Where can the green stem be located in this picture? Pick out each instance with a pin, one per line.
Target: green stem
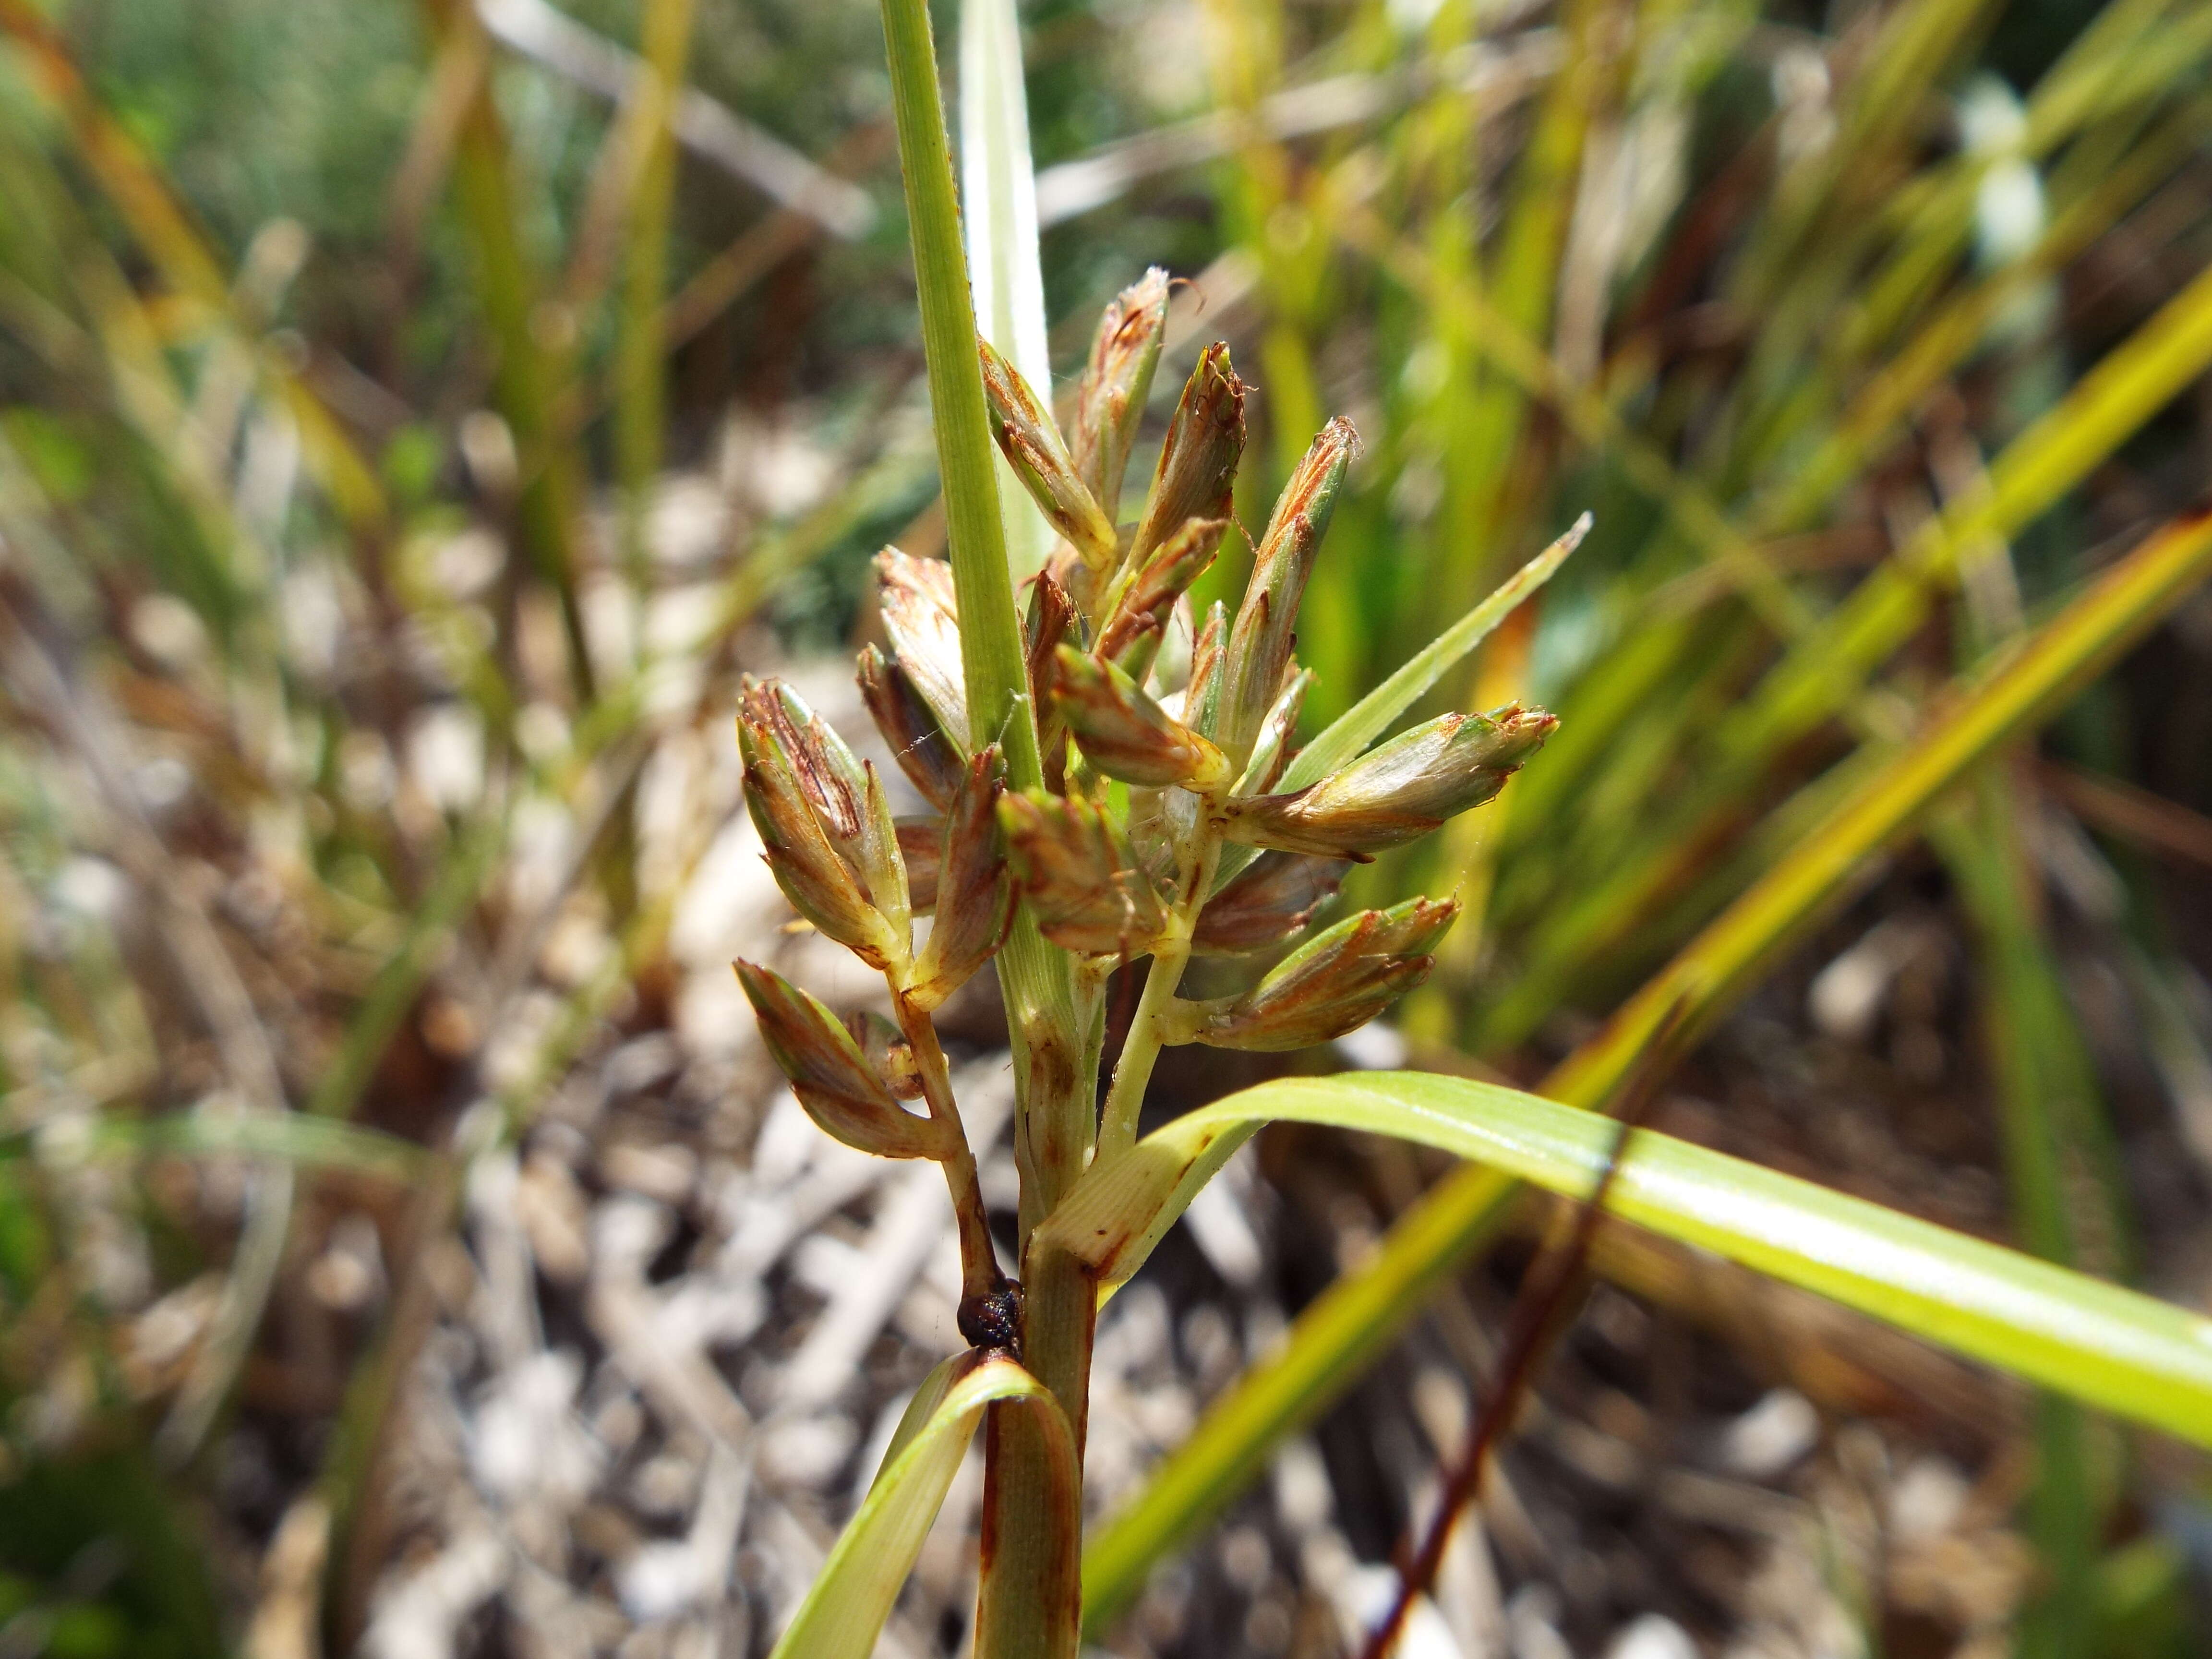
(1117, 1130)
(1148, 1031)
(1026, 1605)
(979, 1263)
(1055, 1131)
(990, 632)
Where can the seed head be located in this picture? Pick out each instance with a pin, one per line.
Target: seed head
(1197, 473)
(1259, 645)
(1033, 446)
(823, 842)
(923, 620)
(1109, 401)
(1137, 609)
(920, 744)
(1335, 982)
(1125, 734)
(1080, 875)
(832, 1077)
(828, 772)
(975, 894)
(1398, 792)
(844, 791)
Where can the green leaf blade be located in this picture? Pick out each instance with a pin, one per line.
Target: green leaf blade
(998, 183)
(1373, 714)
(845, 1610)
(2110, 1347)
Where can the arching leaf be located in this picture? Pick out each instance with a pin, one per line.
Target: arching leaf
(2112, 1347)
(845, 1610)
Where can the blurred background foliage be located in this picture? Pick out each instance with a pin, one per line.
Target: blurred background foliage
(392, 449)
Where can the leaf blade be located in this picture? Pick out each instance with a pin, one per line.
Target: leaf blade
(845, 1609)
(1371, 716)
(998, 183)
(2112, 1347)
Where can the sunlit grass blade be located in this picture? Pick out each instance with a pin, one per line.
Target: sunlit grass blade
(1333, 1340)
(2111, 402)
(1947, 333)
(1825, 670)
(2144, 1359)
(640, 345)
(2067, 652)
(999, 200)
(1456, 298)
(845, 1610)
(1522, 274)
(2096, 1342)
(2050, 1116)
(307, 1143)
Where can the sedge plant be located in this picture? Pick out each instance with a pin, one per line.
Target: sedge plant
(1103, 762)
(1166, 815)
(1115, 779)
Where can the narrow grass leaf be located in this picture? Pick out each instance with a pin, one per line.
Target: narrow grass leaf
(2112, 1347)
(290, 1137)
(999, 193)
(1373, 714)
(2048, 1114)
(2105, 408)
(844, 1610)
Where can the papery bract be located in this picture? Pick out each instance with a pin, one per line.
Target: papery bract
(1109, 401)
(1399, 791)
(974, 894)
(1125, 734)
(1080, 875)
(842, 1092)
(924, 750)
(1335, 982)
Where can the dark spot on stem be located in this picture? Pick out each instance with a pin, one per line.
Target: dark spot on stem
(993, 1320)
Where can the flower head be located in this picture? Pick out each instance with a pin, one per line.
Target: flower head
(1398, 792)
(1334, 983)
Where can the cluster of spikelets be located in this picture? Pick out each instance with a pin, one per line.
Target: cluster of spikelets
(1160, 829)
